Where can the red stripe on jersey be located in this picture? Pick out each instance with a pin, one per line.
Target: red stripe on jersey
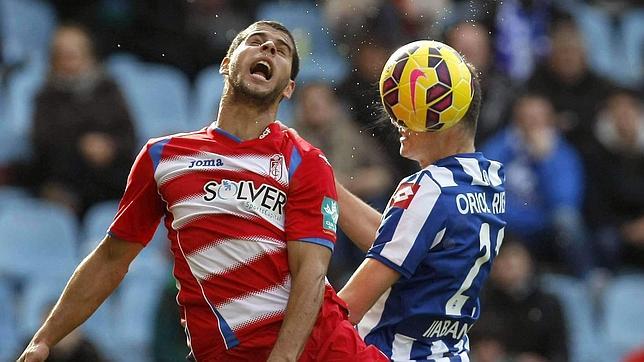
(178, 168)
(255, 276)
(199, 234)
(201, 322)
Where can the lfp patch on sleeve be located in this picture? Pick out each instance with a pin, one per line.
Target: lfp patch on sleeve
(330, 214)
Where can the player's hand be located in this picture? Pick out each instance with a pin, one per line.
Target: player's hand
(35, 352)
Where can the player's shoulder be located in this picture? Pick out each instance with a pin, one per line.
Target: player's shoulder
(297, 141)
(176, 136)
(303, 147)
(302, 155)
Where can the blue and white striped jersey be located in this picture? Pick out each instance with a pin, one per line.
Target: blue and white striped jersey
(441, 231)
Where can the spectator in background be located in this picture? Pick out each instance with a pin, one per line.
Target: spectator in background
(357, 162)
(393, 22)
(169, 341)
(543, 207)
(360, 91)
(569, 84)
(521, 323)
(83, 137)
(473, 40)
(214, 24)
(521, 35)
(615, 203)
(356, 159)
(615, 28)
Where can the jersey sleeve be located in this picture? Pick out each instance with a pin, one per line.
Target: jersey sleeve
(141, 206)
(312, 208)
(412, 224)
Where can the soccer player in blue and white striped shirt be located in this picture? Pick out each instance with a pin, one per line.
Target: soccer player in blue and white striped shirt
(416, 294)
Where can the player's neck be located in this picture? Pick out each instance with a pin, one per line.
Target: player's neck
(445, 145)
(244, 120)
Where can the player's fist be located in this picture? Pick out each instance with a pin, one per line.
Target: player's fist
(35, 352)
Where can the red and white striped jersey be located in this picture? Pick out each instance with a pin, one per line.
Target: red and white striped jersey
(229, 207)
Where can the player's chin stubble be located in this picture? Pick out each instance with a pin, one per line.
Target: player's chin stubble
(243, 91)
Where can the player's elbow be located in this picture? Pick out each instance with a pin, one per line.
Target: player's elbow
(353, 304)
(355, 318)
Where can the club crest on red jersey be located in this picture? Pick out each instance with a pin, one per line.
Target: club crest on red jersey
(275, 168)
(403, 195)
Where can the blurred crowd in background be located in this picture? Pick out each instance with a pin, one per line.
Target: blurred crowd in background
(84, 83)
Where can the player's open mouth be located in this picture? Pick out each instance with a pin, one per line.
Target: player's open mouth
(263, 69)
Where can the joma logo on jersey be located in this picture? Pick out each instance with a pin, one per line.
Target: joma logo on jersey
(263, 197)
(218, 162)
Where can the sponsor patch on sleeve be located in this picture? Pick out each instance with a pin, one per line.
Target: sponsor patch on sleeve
(329, 214)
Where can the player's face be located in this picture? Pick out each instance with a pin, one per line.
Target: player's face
(410, 143)
(260, 68)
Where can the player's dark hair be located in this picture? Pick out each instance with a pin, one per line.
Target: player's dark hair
(295, 63)
(470, 119)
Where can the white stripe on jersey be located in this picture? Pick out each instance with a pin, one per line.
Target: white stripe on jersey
(242, 312)
(438, 348)
(174, 166)
(203, 293)
(438, 238)
(411, 221)
(442, 175)
(472, 168)
(372, 317)
(401, 348)
(188, 209)
(463, 357)
(229, 254)
(493, 172)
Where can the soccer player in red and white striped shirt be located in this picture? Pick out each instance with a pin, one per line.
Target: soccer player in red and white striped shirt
(251, 214)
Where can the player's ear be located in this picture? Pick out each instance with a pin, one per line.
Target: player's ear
(288, 90)
(223, 67)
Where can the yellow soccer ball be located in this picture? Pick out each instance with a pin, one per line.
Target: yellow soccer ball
(426, 86)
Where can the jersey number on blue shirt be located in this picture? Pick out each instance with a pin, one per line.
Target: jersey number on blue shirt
(456, 302)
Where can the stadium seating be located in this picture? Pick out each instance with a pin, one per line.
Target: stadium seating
(578, 309)
(38, 238)
(27, 26)
(156, 94)
(121, 65)
(10, 194)
(36, 299)
(123, 325)
(623, 318)
(206, 95)
(608, 38)
(319, 59)
(8, 337)
(22, 87)
(37, 254)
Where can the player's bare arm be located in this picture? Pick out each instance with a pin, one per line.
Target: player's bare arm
(357, 219)
(92, 282)
(366, 285)
(308, 265)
